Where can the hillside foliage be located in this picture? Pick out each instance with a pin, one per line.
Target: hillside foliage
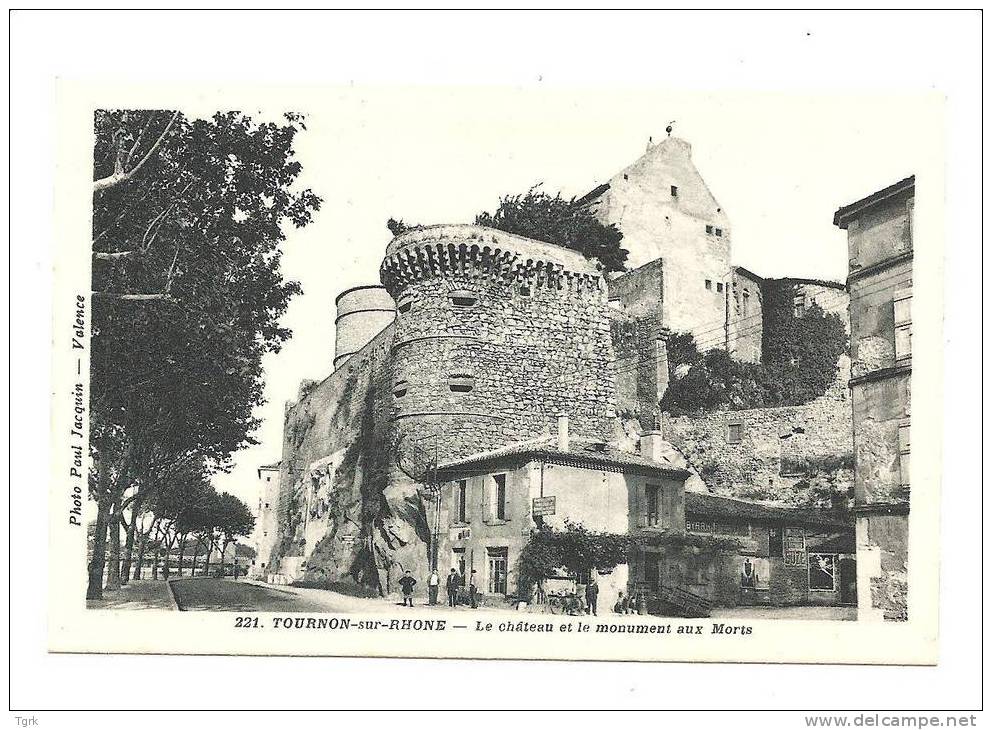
(799, 363)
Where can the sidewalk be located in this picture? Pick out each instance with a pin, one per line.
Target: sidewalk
(342, 603)
(137, 595)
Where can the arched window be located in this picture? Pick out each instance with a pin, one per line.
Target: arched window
(400, 389)
(404, 304)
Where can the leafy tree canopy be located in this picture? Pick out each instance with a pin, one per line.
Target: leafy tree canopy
(537, 215)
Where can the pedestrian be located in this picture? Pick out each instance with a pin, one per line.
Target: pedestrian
(592, 597)
(473, 592)
(407, 582)
(451, 588)
(433, 586)
(620, 605)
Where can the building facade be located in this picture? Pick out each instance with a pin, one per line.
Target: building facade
(880, 248)
(266, 519)
(491, 504)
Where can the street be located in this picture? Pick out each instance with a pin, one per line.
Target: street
(219, 594)
(224, 594)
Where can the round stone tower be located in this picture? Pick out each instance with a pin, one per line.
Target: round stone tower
(362, 313)
(496, 336)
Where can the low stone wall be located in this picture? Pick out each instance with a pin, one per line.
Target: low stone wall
(765, 453)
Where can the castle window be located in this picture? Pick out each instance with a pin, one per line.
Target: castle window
(709, 230)
(400, 389)
(463, 298)
(461, 382)
(904, 452)
(499, 496)
(461, 501)
(719, 286)
(709, 285)
(734, 432)
(652, 494)
(525, 291)
(404, 304)
(747, 297)
(675, 191)
(903, 319)
(718, 232)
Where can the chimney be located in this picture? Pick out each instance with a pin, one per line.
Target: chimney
(652, 444)
(563, 433)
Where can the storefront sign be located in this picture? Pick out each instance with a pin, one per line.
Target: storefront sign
(794, 547)
(543, 506)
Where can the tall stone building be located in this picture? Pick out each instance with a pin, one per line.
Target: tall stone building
(267, 518)
(677, 234)
(880, 246)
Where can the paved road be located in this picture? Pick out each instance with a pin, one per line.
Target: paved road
(218, 594)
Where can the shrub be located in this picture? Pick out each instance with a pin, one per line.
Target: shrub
(537, 215)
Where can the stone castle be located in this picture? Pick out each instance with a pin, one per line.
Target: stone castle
(476, 339)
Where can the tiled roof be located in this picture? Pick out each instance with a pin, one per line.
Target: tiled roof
(728, 508)
(876, 197)
(580, 451)
(842, 544)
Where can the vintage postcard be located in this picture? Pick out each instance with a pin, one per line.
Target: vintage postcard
(497, 373)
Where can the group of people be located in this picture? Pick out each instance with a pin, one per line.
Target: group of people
(626, 603)
(453, 586)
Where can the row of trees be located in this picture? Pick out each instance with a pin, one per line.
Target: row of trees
(188, 220)
(191, 520)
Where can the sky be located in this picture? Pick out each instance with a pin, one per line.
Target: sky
(780, 165)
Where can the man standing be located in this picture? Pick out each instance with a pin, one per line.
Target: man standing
(592, 596)
(473, 592)
(407, 582)
(433, 585)
(451, 587)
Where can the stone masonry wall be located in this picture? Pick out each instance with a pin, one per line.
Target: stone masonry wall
(779, 448)
(495, 339)
(344, 514)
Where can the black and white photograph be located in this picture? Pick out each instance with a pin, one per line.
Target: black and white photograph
(412, 367)
(569, 404)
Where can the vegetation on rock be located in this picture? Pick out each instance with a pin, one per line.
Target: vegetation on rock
(538, 215)
(799, 362)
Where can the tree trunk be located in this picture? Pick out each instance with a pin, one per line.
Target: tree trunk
(182, 553)
(114, 557)
(94, 588)
(142, 542)
(206, 566)
(132, 529)
(196, 554)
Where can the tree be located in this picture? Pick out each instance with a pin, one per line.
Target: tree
(396, 227)
(535, 214)
(577, 550)
(234, 520)
(188, 220)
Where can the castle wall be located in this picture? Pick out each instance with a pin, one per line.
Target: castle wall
(344, 514)
(362, 313)
(681, 228)
(746, 318)
(778, 448)
(495, 339)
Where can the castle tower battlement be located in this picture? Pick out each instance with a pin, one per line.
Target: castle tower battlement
(496, 336)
